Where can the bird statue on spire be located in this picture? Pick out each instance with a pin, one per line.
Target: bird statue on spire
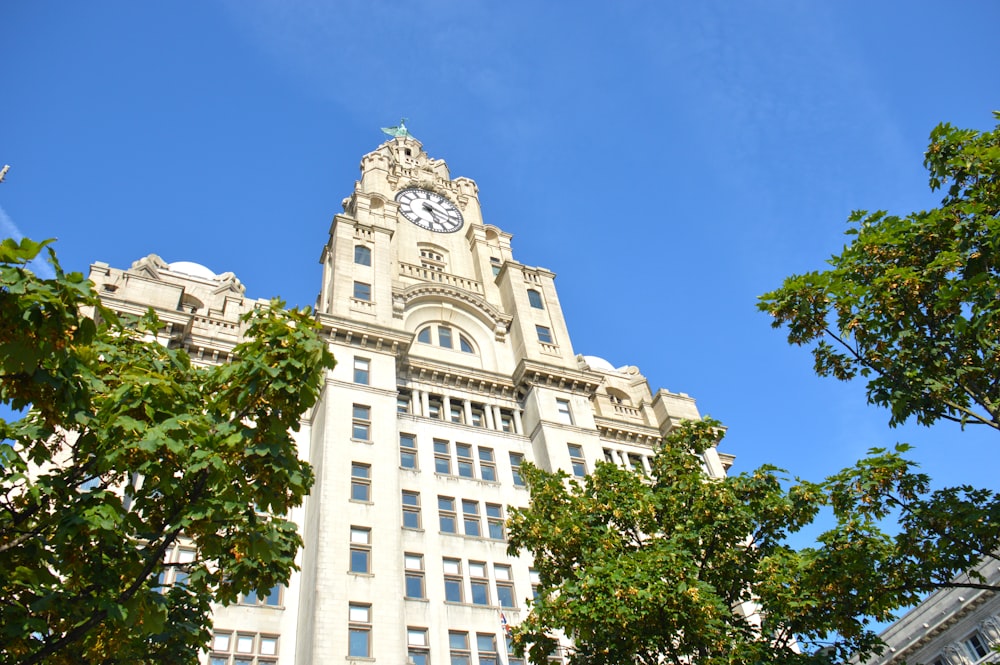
(398, 131)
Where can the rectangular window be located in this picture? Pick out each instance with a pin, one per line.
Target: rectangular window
(635, 460)
(456, 414)
(414, 564)
(268, 646)
(361, 482)
(486, 645)
(403, 402)
(487, 465)
(506, 421)
(516, 459)
(361, 426)
(477, 417)
(563, 413)
(465, 464)
(505, 586)
(470, 515)
(444, 336)
(452, 580)
(976, 646)
(576, 459)
(271, 598)
(361, 370)
(535, 580)
(609, 456)
(544, 334)
(458, 647)
(407, 451)
(479, 583)
(494, 521)
(362, 255)
(446, 514)
(434, 407)
(245, 643)
(361, 550)
(411, 510)
(442, 457)
(359, 641)
(417, 645)
(362, 291)
(220, 641)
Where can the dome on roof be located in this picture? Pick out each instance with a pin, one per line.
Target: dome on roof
(193, 269)
(599, 363)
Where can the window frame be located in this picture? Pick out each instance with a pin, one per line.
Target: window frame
(355, 626)
(515, 469)
(576, 459)
(362, 371)
(411, 509)
(362, 291)
(361, 483)
(408, 453)
(454, 582)
(411, 574)
(535, 299)
(544, 334)
(360, 546)
(445, 513)
(471, 518)
(361, 423)
(362, 255)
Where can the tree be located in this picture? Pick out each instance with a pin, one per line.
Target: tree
(664, 569)
(679, 568)
(124, 448)
(913, 303)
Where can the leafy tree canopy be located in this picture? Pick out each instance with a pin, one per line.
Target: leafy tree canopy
(679, 568)
(913, 303)
(124, 449)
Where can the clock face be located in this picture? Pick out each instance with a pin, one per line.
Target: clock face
(429, 210)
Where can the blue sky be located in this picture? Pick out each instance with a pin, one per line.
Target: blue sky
(669, 161)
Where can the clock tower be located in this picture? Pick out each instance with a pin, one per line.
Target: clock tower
(454, 367)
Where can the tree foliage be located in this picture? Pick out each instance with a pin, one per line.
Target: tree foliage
(124, 448)
(679, 568)
(913, 303)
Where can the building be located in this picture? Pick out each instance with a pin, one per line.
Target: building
(952, 626)
(454, 367)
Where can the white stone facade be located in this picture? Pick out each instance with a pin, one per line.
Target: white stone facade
(955, 626)
(454, 366)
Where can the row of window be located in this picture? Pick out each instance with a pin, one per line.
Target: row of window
(460, 642)
(457, 411)
(633, 461)
(239, 648)
(465, 462)
(445, 337)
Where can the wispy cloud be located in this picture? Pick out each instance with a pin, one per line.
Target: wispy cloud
(8, 229)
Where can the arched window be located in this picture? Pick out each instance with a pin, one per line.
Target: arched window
(535, 299)
(362, 255)
(445, 337)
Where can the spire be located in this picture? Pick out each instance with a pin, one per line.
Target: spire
(398, 131)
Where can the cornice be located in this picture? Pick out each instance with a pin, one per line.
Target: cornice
(617, 430)
(532, 373)
(455, 376)
(363, 335)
